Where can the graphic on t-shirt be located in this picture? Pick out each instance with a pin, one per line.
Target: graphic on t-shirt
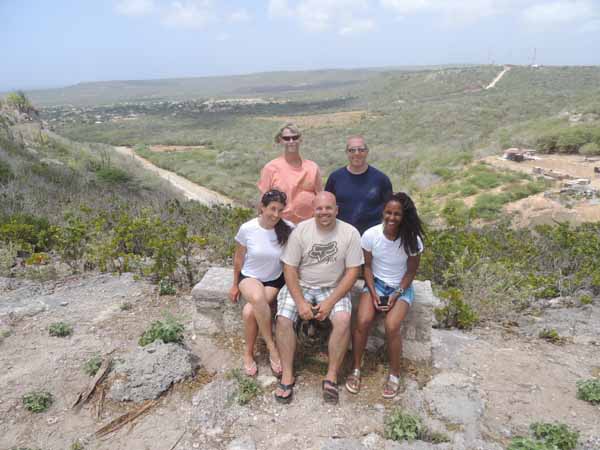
(324, 252)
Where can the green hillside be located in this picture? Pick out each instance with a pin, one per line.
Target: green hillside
(416, 121)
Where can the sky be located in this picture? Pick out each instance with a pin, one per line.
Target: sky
(51, 43)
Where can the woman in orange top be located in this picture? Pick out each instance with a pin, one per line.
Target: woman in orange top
(299, 178)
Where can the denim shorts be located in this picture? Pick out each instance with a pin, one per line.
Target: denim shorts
(382, 288)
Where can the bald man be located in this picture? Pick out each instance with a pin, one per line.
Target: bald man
(321, 262)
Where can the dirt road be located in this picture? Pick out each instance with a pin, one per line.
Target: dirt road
(190, 190)
(498, 78)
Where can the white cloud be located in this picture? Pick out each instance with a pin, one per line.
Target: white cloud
(561, 12)
(279, 8)
(452, 11)
(357, 26)
(135, 7)
(191, 14)
(239, 15)
(344, 16)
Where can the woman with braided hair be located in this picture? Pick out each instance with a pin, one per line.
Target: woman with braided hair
(392, 252)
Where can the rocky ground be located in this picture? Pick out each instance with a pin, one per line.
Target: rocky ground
(485, 386)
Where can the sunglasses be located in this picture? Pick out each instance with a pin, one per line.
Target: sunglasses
(290, 138)
(357, 150)
(275, 195)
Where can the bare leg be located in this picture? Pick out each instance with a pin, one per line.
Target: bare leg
(338, 344)
(393, 322)
(250, 333)
(366, 314)
(286, 341)
(260, 297)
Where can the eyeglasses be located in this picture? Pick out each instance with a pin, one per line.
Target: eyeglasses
(357, 149)
(290, 138)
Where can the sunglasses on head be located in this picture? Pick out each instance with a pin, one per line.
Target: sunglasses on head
(274, 195)
(290, 138)
(357, 150)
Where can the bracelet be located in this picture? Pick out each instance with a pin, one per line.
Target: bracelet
(399, 291)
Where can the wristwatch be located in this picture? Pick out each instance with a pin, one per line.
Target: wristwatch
(399, 291)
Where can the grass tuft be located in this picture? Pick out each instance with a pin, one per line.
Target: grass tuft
(37, 401)
(167, 331)
(60, 329)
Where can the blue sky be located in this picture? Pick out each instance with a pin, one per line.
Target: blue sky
(56, 43)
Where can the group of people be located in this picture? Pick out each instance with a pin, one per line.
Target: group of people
(304, 252)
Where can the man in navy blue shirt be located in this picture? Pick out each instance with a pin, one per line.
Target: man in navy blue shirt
(360, 189)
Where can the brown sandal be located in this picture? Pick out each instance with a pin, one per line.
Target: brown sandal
(331, 393)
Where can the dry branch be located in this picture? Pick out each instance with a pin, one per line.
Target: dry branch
(85, 395)
(126, 418)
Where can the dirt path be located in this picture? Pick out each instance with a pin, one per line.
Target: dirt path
(498, 78)
(190, 190)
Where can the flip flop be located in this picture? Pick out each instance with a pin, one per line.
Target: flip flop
(285, 400)
(353, 382)
(276, 368)
(331, 393)
(251, 370)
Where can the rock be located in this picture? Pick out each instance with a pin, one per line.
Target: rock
(211, 406)
(266, 380)
(452, 397)
(148, 371)
(242, 443)
(343, 444)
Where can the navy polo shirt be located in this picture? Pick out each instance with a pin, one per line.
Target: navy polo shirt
(360, 198)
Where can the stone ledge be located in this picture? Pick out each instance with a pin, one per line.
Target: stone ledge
(212, 291)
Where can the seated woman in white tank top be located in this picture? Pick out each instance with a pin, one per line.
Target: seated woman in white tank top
(258, 275)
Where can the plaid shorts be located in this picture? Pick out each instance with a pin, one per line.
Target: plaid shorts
(286, 306)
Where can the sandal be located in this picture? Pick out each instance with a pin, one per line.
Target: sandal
(391, 386)
(251, 370)
(353, 382)
(331, 392)
(285, 388)
(276, 368)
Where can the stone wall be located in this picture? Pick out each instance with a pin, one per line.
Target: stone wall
(210, 295)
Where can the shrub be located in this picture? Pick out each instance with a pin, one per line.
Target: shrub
(166, 287)
(19, 101)
(92, 365)
(525, 443)
(37, 401)
(27, 231)
(6, 173)
(126, 306)
(60, 329)
(550, 335)
(488, 206)
(589, 390)
(113, 175)
(167, 331)
(77, 445)
(590, 149)
(555, 435)
(456, 314)
(247, 389)
(400, 426)
(585, 299)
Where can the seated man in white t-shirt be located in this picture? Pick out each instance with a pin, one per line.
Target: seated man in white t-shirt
(321, 262)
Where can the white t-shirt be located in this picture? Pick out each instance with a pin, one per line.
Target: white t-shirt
(389, 261)
(263, 252)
